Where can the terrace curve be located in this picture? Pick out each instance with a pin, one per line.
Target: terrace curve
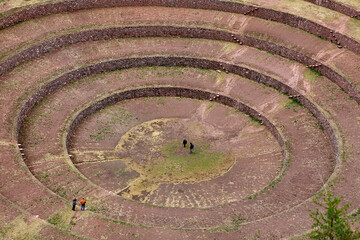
(268, 14)
(339, 7)
(49, 180)
(164, 61)
(184, 62)
(168, 31)
(182, 93)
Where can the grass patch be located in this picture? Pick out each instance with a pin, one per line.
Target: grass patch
(311, 74)
(293, 104)
(168, 161)
(19, 229)
(253, 119)
(160, 101)
(354, 3)
(179, 164)
(210, 106)
(61, 192)
(318, 124)
(354, 26)
(62, 219)
(237, 219)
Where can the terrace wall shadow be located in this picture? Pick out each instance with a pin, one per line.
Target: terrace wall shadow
(233, 7)
(170, 31)
(181, 62)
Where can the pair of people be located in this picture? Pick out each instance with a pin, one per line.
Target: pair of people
(191, 145)
(82, 202)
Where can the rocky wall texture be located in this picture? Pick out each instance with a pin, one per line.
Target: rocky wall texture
(176, 92)
(169, 31)
(338, 7)
(264, 13)
(180, 62)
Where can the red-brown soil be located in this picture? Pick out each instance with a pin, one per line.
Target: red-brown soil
(257, 159)
(236, 85)
(256, 193)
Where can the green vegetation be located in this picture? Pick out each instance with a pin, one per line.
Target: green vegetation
(293, 104)
(334, 223)
(169, 161)
(62, 219)
(311, 74)
(61, 192)
(318, 124)
(179, 164)
(253, 119)
(237, 219)
(160, 101)
(44, 175)
(210, 106)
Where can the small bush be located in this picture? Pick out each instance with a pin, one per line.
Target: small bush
(335, 223)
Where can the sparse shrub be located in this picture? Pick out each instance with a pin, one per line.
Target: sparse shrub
(335, 223)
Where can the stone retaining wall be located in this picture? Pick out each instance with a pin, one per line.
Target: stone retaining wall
(181, 62)
(338, 7)
(264, 13)
(176, 92)
(169, 31)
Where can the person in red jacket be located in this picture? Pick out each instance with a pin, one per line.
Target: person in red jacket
(82, 202)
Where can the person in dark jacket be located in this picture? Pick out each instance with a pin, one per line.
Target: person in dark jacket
(185, 142)
(74, 204)
(191, 147)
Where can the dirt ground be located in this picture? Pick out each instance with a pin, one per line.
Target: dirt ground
(128, 159)
(241, 146)
(95, 143)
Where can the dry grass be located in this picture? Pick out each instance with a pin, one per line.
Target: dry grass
(21, 229)
(62, 218)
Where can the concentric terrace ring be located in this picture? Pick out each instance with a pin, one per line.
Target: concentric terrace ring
(171, 61)
(268, 14)
(168, 31)
(304, 92)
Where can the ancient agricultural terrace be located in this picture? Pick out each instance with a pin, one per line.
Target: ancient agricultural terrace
(96, 97)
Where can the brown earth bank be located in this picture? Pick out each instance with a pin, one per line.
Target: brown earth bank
(249, 28)
(147, 190)
(264, 99)
(265, 13)
(205, 124)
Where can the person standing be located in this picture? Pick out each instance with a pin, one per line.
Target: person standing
(74, 204)
(82, 202)
(185, 142)
(191, 147)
